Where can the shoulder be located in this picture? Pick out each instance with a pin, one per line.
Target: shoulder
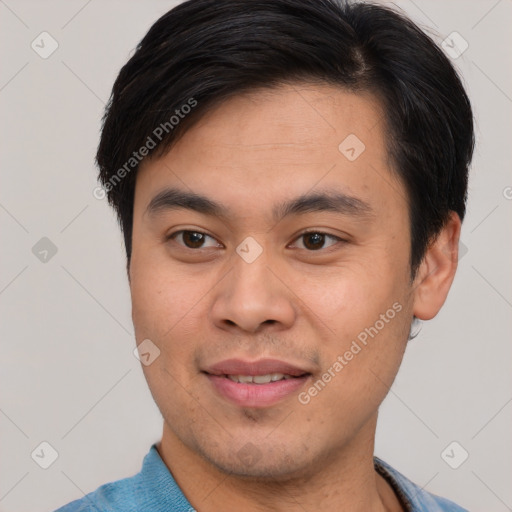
(414, 498)
(153, 488)
(114, 496)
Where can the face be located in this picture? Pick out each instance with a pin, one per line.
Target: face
(280, 303)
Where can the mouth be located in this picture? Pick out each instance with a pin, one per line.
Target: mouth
(259, 379)
(256, 384)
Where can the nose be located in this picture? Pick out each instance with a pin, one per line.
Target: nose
(253, 295)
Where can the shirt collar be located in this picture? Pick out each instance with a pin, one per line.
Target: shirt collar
(163, 493)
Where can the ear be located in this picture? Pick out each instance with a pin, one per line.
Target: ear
(437, 270)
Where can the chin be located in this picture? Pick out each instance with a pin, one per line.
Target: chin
(256, 462)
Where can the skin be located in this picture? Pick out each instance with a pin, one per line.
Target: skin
(294, 303)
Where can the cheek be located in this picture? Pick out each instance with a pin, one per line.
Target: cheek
(350, 297)
(359, 366)
(165, 310)
(365, 317)
(168, 308)
(163, 298)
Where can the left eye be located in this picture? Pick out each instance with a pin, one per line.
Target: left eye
(315, 240)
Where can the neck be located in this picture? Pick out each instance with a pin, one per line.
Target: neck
(344, 481)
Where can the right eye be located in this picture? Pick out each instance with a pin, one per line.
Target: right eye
(191, 239)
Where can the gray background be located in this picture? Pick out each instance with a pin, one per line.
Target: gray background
(68, 374)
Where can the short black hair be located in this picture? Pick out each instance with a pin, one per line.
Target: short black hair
(203, 52)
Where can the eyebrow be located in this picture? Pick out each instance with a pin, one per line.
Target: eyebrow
(319, 201)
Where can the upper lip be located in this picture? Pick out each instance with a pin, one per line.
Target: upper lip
(253, 368)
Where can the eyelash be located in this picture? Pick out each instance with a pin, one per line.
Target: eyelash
(172, 236)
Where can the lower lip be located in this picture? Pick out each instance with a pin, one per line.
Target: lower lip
(256, 395)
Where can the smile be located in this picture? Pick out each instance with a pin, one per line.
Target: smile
(258, 384)
(259, 379)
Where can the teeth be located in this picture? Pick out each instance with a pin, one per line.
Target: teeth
(263, 379)
(259, 379)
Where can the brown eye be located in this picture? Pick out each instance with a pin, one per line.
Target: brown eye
(192, 239)
(315, 240)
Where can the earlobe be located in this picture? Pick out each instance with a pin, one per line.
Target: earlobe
(437, 270)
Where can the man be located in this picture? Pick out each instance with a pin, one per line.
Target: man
(290, 177)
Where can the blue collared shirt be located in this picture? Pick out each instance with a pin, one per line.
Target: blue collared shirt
(154, 490)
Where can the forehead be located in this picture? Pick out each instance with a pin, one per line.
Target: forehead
(281, 141)
(303, 119)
